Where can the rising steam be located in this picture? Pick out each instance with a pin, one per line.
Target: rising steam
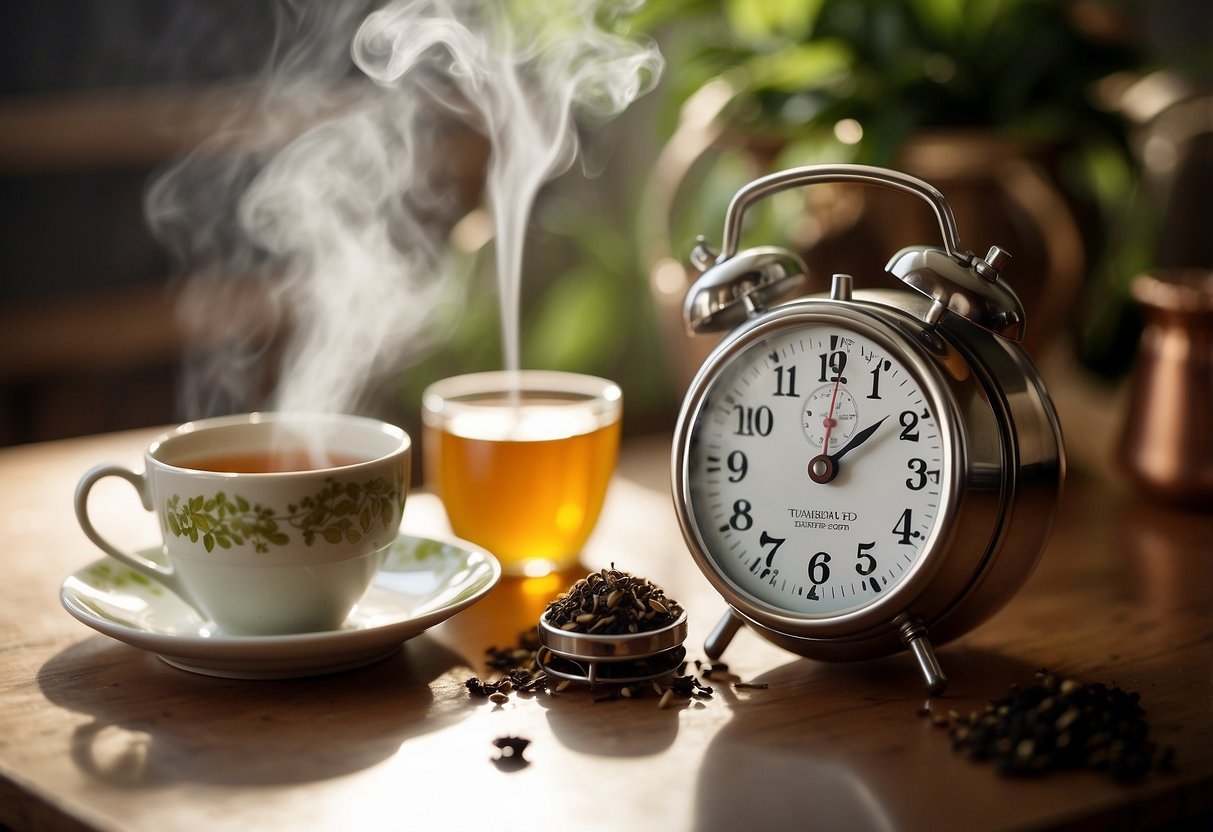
(337, 227)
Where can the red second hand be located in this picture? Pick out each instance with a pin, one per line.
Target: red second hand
(829, 420)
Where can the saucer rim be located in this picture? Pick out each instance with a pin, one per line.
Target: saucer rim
(342, 646)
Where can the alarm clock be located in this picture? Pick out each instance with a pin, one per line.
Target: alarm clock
(867, 471)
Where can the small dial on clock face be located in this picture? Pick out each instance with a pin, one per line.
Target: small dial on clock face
(829, 416)
(816, 470)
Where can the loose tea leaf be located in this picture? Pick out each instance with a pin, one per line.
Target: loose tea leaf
(518, 656)
(688, 686)
(1060, 723)
(478, 688)
(520, 671)
(610, 602)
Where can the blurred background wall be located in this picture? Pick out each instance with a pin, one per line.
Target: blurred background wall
(1076, 134)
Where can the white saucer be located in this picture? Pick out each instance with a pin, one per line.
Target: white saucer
(422, 583)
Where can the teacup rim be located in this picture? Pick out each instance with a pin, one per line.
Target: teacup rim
(403, 446)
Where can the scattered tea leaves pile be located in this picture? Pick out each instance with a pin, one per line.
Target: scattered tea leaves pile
(610, 602)
(676, 689)
(518, 668)
(520, 673)
(1060, 723)
(607, 602)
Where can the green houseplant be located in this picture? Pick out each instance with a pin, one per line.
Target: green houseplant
(1026, 68)
(951, 90)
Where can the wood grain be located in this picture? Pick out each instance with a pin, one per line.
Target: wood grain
(96, 734)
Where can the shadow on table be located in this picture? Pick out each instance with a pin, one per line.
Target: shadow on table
(153, 724)
(839, 746)
(605, 728)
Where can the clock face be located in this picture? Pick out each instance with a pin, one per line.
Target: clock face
(817, 472)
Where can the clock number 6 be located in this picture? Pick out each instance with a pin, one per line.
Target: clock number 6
(819, 568)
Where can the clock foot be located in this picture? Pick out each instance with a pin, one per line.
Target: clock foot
(914, 636)
(722, 634)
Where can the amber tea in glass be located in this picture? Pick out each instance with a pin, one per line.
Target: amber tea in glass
(521, 461)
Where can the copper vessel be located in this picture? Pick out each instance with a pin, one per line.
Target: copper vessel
(1166, 443)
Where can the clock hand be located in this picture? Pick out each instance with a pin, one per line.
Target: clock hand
(824, 467)
(830, 422)
(857, 440)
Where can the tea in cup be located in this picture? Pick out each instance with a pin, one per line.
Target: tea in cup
(273, 523)
(521, 461)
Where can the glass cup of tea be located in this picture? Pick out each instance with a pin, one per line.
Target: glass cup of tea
(521, 461)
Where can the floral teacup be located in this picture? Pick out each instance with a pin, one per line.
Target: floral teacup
(272, 523)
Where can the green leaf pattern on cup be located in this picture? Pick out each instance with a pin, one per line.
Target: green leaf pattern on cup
(338, 512)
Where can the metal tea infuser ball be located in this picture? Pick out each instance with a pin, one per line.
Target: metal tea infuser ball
(862, 472)
(624, 658)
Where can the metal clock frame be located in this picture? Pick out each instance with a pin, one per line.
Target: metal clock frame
(1003, 440)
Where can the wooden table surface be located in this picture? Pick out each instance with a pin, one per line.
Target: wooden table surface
(97, 734)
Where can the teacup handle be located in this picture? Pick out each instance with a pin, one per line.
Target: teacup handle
(155, 571)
